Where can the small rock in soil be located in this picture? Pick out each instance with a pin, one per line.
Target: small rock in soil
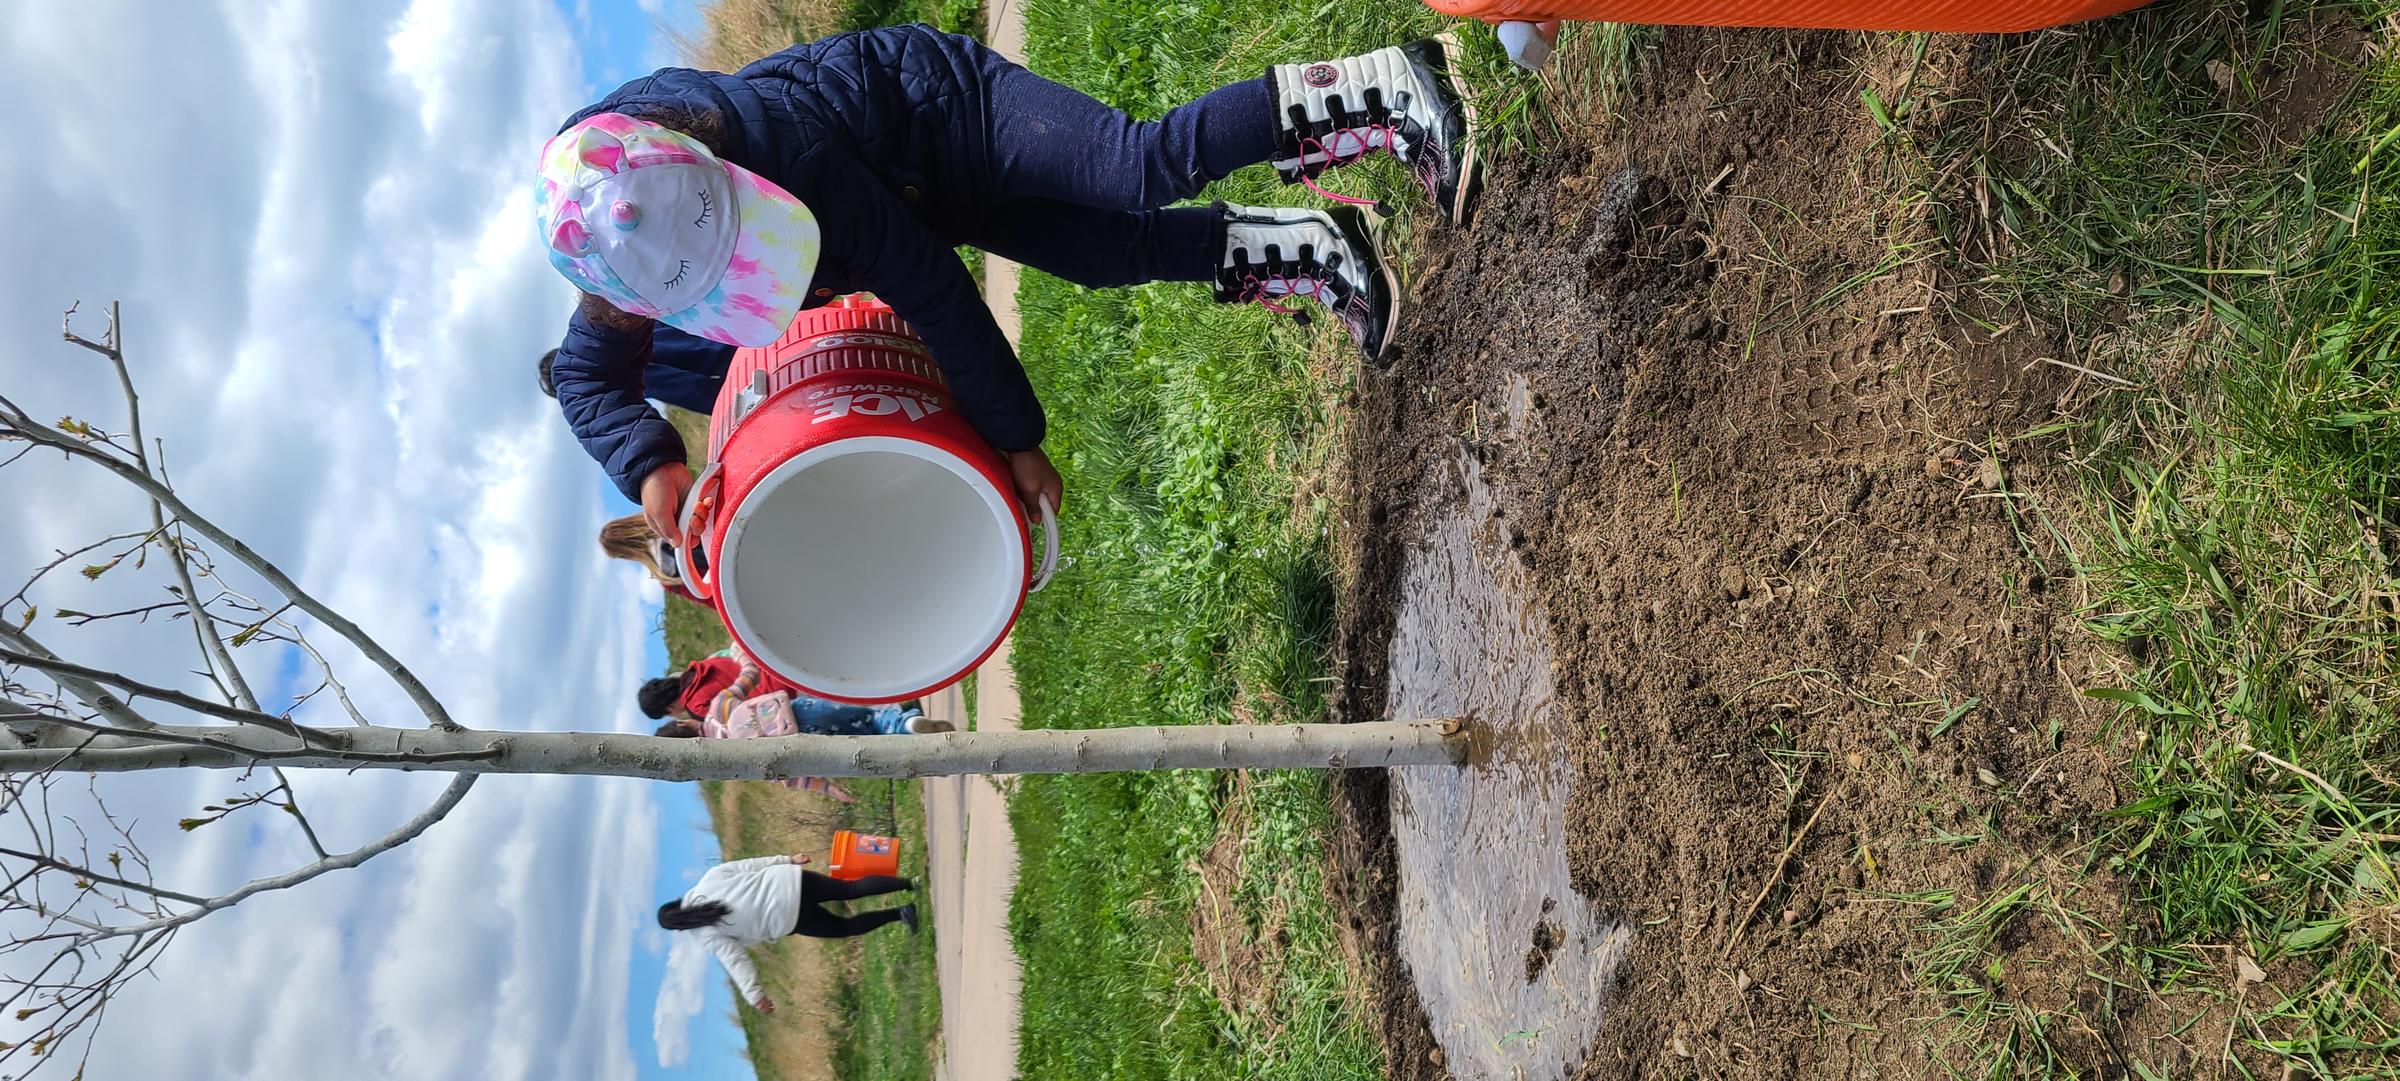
(1681, 1049)
(1546, 937)
(1987, 475)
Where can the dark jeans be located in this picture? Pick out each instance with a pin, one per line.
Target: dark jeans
(816, 889)
(1077, 185)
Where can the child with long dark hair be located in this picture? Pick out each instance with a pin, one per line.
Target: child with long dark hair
(752, 902)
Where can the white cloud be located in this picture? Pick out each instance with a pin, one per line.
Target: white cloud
(680, 998)
(317, 216)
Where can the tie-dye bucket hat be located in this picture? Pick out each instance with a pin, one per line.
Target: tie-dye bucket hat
(647, 219)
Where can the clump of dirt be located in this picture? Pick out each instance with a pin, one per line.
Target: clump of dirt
(1546, 937)
(1778, 499)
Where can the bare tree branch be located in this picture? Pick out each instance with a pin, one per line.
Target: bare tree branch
(107, 705)
(1295, 746)
(66, 555)
(57, 669)
(424, 820)
(293, 634)
(421, 696)
(86, 872)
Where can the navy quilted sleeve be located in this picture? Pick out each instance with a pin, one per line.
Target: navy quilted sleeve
(598, 375)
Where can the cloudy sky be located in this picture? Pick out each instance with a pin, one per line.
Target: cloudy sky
(317, 214)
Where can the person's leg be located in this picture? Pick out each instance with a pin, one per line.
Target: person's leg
(819, 717)
(1098, 248)
(1249, 254)
(1049, 141)
(815, 922)
(820, 887)
(898, 721)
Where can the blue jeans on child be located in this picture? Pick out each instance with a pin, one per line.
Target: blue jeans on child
(1077, 186)
(823, 718)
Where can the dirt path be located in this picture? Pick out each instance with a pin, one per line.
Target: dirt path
(972, 860)
(971, 854)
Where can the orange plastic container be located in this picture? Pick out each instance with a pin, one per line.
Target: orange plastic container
(1943, 16)
(857, 855)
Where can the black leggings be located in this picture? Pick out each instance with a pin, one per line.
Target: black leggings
(816, 889)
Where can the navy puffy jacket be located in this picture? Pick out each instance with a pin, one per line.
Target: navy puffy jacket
(882, 134)
(685, 369)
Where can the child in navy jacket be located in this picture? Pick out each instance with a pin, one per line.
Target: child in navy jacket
(723, 204)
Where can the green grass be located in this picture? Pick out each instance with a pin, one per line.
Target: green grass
(2244, 514)
(1195, 440)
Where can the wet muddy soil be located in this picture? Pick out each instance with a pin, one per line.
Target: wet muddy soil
(1511, 964)
(1771, 619)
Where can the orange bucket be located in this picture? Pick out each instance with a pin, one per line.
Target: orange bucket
(857, 855)
(1945, 16)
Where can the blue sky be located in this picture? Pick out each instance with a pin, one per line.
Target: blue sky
(318, 218)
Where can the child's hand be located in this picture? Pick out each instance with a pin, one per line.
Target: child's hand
(799, 860)
(662, 498)
(1036, 478)
(766, 1005)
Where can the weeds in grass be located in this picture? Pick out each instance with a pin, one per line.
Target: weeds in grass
(2214, 249)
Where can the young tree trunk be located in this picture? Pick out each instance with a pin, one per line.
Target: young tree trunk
(59, 747)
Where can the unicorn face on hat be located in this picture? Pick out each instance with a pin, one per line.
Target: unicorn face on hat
(646, 218)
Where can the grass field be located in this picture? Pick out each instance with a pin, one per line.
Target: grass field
(2210, 208)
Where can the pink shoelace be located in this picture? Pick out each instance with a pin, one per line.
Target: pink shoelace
(1365, 142)
(1255, 290)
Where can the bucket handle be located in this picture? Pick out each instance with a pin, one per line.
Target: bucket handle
(1049, 548)
(691, 548)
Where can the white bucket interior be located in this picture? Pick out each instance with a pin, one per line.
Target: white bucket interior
(872, 567)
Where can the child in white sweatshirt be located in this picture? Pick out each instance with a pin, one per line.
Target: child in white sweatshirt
(747, 903)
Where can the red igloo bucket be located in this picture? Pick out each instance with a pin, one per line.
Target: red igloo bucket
(859, 539)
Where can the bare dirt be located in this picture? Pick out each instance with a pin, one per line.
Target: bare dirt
(1815, 644)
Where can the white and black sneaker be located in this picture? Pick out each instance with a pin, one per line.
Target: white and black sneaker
(1406, 100)
(921, 725)
(1271, 254)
